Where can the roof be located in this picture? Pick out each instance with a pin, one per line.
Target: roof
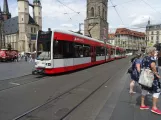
(11, 26)
(32, 21)
(111, 36)
(125, 31)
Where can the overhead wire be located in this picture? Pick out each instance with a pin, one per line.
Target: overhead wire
(114, 6)
(150, 6)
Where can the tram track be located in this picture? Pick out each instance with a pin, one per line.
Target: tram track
(20, 81)
(29, 114)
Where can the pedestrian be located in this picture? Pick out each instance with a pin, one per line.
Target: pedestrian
(31, 60)
(159, 58)
(136, 67)
(150, 63)
(26, 57)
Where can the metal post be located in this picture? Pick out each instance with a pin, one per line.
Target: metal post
(105, 42)
(80, 24)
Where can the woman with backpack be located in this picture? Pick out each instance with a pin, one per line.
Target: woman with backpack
(136, 65)
(149, 62)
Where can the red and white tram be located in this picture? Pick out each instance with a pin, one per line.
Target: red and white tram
(62, 51)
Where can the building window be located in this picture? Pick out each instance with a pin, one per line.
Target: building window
(157, 32)
(103, 13)
(92, 12)
(151, 37)
(99, 11)
(34, 30)
(152, 32)
(31, 30)
(22, 19)
(157, 38)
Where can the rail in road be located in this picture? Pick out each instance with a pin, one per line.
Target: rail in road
(19, 81)
(63, 94)
(52, 102)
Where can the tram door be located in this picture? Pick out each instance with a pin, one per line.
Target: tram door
(93, 54)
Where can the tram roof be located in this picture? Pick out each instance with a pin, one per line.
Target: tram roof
(76, 34)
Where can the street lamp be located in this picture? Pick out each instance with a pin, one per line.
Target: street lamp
(80, 24)
(29, 41)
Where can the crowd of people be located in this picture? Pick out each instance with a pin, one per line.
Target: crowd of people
(141, 62)
(26, 57)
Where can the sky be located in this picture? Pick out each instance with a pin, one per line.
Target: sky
(132, 14)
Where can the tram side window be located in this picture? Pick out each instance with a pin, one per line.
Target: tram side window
(86, 51)
(107, 50)
(117, 52)
(100, 51)
(78, 50)
(62, 49)
(112, 51)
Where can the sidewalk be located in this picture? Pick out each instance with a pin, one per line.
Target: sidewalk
(127, 106)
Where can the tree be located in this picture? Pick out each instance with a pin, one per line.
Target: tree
(9, 46)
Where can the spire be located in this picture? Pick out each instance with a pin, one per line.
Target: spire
(149, 21)
(5, 7)
(1, 17)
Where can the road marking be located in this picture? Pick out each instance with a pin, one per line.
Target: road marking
(14, 83)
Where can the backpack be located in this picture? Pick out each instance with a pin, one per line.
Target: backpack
(130, 70)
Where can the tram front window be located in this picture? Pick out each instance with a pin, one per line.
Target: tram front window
(44, 46)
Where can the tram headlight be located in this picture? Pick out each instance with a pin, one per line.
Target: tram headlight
(48, 64)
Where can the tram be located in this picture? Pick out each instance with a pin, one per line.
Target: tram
(62, 51)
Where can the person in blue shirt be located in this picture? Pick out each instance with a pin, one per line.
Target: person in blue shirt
(136, 67)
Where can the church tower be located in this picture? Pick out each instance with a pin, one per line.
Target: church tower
(1, 28)
(23, 18)
(38, 13)
(96, 21)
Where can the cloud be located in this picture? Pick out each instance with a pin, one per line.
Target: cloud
(55, 15)
(141, 21)
(66, 25)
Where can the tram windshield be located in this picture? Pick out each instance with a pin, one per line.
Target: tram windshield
(44, 45)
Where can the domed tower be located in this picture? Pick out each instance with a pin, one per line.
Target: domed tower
(96, 21)
(37, 13)
(23, 19)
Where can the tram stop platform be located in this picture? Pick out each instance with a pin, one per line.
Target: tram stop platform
(123, 106)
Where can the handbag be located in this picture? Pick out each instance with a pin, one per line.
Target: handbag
(146, 78)
(129, 70)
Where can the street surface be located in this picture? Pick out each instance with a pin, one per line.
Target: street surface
(96, 93)
(15, 69)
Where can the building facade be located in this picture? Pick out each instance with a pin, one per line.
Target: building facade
(111, 38)
(20, 31)
(96, 25)
(153, 34)
(130, 40)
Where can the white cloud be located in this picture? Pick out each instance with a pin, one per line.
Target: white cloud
(141, 20)
(134, 13)
(67, 25)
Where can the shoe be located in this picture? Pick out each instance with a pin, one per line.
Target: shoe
(132, 92)
(144, 107)
(157, 111)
